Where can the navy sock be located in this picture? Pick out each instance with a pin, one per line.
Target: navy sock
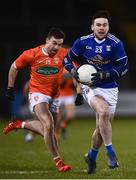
(93, 153)
(109, 149)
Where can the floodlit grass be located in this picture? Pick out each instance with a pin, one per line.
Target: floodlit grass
(21, 160)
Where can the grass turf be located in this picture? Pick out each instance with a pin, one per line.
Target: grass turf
(21, 160)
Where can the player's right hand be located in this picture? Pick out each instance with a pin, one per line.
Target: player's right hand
(79, 100)
(10, 94)
(97, 77)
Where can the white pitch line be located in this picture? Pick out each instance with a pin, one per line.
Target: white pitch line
(23, 172)
(34, 172)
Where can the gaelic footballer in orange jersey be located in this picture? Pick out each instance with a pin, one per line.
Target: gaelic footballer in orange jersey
(45, 70)
(46, 67)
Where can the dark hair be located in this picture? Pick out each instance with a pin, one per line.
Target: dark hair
(101, 14)
(56, 33)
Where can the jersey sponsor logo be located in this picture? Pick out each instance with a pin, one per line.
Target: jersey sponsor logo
(47, 70)
(98, 60)
(89, 47)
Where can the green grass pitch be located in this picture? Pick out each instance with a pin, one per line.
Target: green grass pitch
(21, 160)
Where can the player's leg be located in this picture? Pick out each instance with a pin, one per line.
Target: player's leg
(102, 108)
(56, 125)
(25, 114)
(69, 109)
(112, 159)
(45, 126)
(30, 124)
(35, 126)
(70, 112)
(96, 137)
(57, 121)
(45, 117)
(96, 142)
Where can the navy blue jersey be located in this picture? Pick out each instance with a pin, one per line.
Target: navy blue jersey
(107, 55)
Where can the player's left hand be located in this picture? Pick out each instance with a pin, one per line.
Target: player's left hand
(79, 100)
(101, 75)
(10, 94)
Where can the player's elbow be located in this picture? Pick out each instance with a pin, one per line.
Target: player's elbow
(125, 70)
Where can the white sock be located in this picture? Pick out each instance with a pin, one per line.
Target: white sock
(23, 124)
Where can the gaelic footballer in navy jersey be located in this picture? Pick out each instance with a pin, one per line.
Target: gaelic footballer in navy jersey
(107, 53)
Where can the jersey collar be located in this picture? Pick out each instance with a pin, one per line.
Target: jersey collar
(99, 41)
(45, 53)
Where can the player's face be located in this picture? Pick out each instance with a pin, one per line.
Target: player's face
(53, 45)
(100, 27)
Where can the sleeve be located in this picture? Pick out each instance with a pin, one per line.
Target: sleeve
(121, 60)
(72, 55)
(25, 59)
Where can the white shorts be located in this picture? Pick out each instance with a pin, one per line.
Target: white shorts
(66, 100)
(110, 95)
(36, 98)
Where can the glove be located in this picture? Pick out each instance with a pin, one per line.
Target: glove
(79, 100)
(10, 94)
(97, 77)
(74, 74)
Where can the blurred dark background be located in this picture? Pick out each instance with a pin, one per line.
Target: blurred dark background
(25, 23)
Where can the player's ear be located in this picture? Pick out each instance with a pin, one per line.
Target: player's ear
(47, 39)
(92, 27)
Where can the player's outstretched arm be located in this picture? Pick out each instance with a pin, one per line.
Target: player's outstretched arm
(11, 81)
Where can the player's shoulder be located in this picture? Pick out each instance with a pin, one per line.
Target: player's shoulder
(63, 51)
(87, 37)
(113, 38)
(37, 48)
(84, 40)
(34, 49)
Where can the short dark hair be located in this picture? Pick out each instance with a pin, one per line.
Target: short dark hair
(101, 14)
(56, 33)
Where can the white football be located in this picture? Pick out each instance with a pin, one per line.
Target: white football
(85, 73)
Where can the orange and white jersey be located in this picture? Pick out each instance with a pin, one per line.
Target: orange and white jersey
(66, 84)
(45, 71)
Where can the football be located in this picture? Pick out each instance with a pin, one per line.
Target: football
(85, 73)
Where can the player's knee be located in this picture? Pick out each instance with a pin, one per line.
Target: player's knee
(70, 115)
(48, 126)
(95, 133)
(97, 130)
(104, 113)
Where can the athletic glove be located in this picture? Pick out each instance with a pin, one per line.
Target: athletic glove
(79, 100)
(10, 94)
(97, 77)
(74, 74)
